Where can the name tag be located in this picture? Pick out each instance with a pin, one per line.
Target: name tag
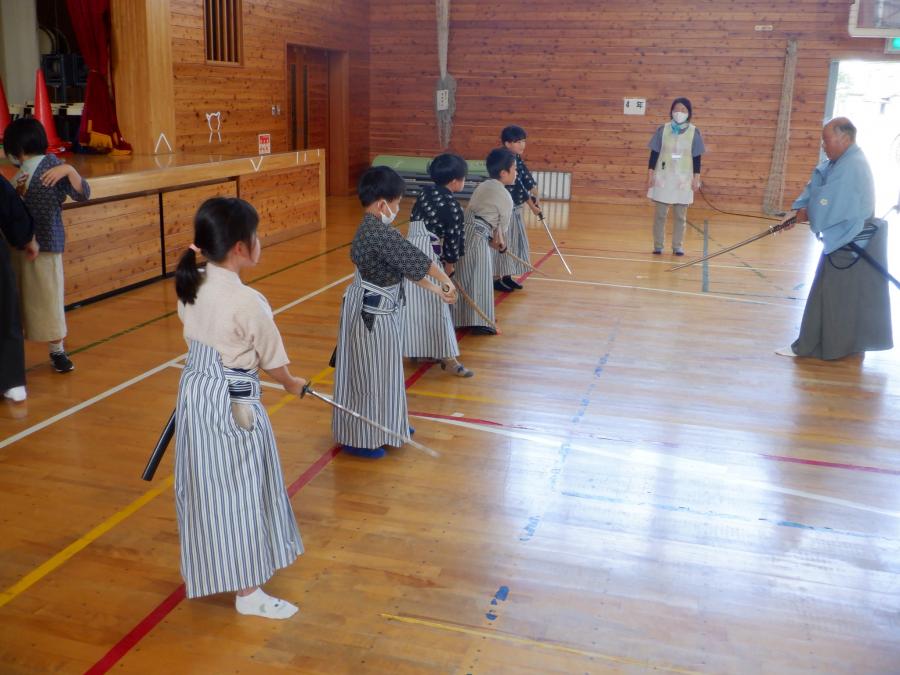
(677, 156)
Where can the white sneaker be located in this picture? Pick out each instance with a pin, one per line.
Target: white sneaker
(16, 394)
(258, 603)
(786, 351)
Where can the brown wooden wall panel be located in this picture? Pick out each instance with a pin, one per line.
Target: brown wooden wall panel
(245, 94)
(561, 68)
(111, 245)
(179, 207)
(288, 202)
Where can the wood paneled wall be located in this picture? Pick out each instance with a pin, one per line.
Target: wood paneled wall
(245, 94)
(288, 202)
(111, 245)
(561, 69)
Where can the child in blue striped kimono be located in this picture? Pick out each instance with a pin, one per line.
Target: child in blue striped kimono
(436, 229)
(235, 519)
(368, 375)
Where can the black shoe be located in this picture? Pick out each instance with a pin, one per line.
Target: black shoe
(61, 362)
(502, 287)
(483, 330)
(513, 284)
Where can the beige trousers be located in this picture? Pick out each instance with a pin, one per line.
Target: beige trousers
(41, 294)
(678, 226)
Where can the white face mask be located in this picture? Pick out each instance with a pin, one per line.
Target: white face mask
(14, 161)
(679, 117)
(387, 220)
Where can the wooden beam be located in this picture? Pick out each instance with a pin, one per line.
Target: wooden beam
(142, 73)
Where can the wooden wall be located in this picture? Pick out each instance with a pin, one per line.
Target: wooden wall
(245, 94)
(561, 68)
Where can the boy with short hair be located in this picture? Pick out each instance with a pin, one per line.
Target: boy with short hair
(44, 182)
(523, 191)
(436, 229)
(486, 221)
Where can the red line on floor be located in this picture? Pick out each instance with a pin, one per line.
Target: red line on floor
(471, 420)
(137, 633)
(155, 617)
(832, 465)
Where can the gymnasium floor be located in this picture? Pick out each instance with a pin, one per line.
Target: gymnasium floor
(633, 481)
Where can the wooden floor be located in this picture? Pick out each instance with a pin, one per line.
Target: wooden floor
(633, 481)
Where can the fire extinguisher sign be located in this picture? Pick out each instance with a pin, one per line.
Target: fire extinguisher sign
(265, 144)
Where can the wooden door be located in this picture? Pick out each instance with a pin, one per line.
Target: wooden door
(308, 96)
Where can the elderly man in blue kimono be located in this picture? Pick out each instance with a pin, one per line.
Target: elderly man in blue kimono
(848, 309)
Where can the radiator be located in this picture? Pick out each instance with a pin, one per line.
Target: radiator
(554, 184)
(556, 215)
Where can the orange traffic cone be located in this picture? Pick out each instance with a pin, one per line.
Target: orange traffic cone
(44, 114)
(4, 112)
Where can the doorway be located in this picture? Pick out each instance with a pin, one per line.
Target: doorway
(868, 92)
(318, 109)
(308, 96)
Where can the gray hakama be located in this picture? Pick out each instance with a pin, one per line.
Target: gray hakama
(235, 520)
(368, 376)
(427, 327)
(517, 243)
(848, 309)
(474, 275)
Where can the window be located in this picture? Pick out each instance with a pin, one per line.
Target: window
(222, 19)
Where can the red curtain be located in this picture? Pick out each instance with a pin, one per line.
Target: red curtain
(99, 127)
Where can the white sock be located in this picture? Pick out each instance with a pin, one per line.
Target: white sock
(16, 394)
(258, 603)
(56, 347)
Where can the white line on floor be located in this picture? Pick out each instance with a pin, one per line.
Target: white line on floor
(138, 378)
(714, 296)
(672, 262)
(706, 470)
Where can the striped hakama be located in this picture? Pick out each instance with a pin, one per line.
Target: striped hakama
(368, 376)
(235, 520)
(517, 243)
(849, 308)
(427, 327)
(474, 275)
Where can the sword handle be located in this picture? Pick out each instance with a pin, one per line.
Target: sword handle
(781, 226)
(156, 456)
(306, 389)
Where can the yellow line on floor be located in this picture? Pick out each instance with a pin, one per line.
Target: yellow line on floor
(57, 560)
(415, 391)
(553, 646)
(43, 570)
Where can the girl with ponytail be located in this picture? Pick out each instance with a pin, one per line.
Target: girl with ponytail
(235, 520)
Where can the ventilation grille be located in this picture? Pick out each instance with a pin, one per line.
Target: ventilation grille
(222, 21)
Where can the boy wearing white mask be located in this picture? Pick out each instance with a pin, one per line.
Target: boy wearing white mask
(674, 173)
(368, 375)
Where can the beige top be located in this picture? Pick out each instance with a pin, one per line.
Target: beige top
(235, 320)
(492, 203)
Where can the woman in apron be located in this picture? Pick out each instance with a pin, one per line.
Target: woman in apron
(368, 377)
(674, 173)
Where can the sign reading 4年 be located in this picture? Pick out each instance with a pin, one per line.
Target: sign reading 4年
(265, 144)
(635, 106)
